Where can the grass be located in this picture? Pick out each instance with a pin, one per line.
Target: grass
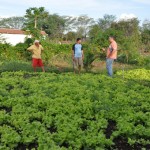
(62, 66)
(14, 66)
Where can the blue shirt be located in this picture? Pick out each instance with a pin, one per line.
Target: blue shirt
(77, 48)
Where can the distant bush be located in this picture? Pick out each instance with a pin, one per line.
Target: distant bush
(51, 50)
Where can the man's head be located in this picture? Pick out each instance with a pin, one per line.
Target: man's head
(79, 40)
(111, 39)
(37, 43)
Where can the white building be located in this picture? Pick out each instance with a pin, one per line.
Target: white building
(15, 36)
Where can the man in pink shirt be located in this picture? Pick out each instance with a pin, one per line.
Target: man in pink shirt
(111, 55)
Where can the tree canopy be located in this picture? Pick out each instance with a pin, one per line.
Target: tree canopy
(129, 33)
(12, 22)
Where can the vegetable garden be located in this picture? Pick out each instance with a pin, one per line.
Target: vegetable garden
(76, 112)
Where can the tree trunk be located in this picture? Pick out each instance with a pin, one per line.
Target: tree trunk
(35, 23)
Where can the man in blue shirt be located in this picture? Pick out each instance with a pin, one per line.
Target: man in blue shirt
(77, 55)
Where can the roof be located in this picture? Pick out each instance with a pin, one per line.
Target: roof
(11, 31)
(15, 31)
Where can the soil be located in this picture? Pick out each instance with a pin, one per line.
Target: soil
(22, 146)
(84, 126)
(7, 109)
(52, 129)
(110, 128)
(121, 142)
(9, 88)
(64, 144)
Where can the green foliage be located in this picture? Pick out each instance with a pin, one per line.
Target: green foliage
(4, 47)
(2, 39)
(62, 111)
(138, 74)
(91, 53)
(70, 36)
(16, 65)
(53, 25)
(146, 39)
(106, 22)
(7, 52)
(29, 41)
(52, 49)
(18, 52)
(126, 33)
(130, 43)
(33, 14)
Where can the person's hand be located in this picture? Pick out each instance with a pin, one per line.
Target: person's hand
(82, 57)
(103, 49)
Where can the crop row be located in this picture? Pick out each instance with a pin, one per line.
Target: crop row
(67, 111)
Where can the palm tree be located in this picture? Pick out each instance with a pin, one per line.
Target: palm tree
(36, 13)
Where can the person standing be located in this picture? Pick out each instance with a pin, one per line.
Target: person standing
(36, 50)
(111, 55)
(77, 55)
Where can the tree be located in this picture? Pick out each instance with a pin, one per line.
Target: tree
(126, 32)
(12, 22)
(53, 25)
(146, 25)
(105, 22)
(83, 24)
(33, 14)
(94, 31)
(71, 36)
(69, 23)
(80, 24)
(101, 30)
(145, 34)
(130, 41)
(129, 27)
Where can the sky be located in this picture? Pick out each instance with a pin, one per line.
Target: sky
(93, 8)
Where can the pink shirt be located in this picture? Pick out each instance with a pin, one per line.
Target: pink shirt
(112, 50)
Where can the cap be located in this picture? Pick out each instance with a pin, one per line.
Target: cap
(36, 41)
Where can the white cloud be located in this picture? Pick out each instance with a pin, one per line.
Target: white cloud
(127, 16)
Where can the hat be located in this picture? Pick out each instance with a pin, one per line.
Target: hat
(36, 41)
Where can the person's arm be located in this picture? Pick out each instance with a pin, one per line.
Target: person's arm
(73, 49)
(114, 47)
(82, 52)
(108, 54)
(30, 48)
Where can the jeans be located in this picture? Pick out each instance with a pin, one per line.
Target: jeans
(109, 66)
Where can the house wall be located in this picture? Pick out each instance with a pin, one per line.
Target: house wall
(14, 39)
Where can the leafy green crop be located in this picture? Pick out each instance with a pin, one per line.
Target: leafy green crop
(140, 74)
(66, 111)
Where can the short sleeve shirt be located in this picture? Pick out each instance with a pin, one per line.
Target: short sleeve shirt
(77, 48)
(36, 51)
